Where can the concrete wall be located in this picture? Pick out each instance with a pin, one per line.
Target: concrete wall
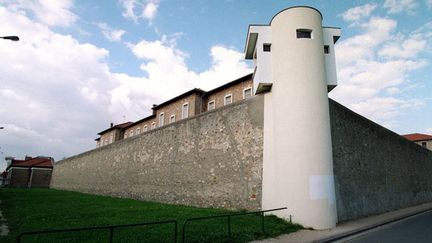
(210, 160)
(215, 160)
(375, 169)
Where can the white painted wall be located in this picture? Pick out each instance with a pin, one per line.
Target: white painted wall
(330, 59)
(262, 62)
(298, 166)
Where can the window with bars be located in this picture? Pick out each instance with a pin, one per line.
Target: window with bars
(304, 34)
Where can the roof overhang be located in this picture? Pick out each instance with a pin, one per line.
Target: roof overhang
(250, 44)
(263, 88)
(335, 32)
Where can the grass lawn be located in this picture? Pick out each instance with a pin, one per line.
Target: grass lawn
(45, 209)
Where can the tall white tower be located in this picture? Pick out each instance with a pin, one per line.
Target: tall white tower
(294, 70)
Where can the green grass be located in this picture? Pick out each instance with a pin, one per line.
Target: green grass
(47, 209)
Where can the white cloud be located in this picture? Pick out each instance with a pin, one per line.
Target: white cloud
(128, 9)
(50, 84)
(356, 13)
(51, 13)
(150, 10)
(386, 108)
(393, 91)
(408, 48)
(137, 9)
(397, 6)
(429, 130)
(166, 67)
(374, 32)
(110, 33)
(57, 93)
(429, 4)
(374, 68)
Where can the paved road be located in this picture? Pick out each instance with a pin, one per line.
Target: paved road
(416, 229)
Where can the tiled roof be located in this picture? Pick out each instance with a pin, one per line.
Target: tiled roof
(190, 92)
(202, 92)
(118, 126)
(40, 161)
(417, 137)
(139, 121)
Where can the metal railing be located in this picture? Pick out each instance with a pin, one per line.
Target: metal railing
(110, 228)
(228, 216)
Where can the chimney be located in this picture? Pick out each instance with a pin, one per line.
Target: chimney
(154, 110)
(27, 157)
(111, 124)
(9, 160)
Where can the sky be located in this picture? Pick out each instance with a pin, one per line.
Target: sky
(80, 65)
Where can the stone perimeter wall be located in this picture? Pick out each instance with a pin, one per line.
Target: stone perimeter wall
(215, 160)
(210, 160)
(375, 169)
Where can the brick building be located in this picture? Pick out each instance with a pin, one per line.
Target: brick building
(188, 104)
(112, 134)
(423, 140)
(30, 172)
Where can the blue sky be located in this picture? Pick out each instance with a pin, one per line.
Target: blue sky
(83, 64)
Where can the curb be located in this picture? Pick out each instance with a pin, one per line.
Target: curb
(369, 227)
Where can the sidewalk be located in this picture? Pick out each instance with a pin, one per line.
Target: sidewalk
(349, 228)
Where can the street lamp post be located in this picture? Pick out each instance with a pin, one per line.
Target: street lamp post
(11, 37)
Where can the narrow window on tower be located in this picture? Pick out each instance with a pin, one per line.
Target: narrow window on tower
(326, 49)
(304, 34)
(266, 47)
